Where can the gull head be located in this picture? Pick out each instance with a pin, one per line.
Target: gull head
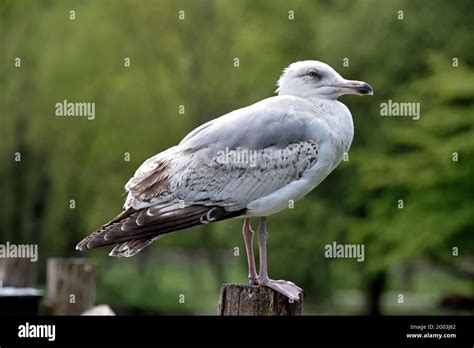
(314, 79)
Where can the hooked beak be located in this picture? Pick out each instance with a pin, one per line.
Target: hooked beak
(354, 87)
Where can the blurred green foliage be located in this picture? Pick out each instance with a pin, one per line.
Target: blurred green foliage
(190, 63)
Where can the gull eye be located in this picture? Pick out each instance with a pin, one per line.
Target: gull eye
(314, 74)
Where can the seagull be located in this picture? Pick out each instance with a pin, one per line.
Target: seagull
(251, 162)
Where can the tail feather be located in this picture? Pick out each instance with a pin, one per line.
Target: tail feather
(133, 230)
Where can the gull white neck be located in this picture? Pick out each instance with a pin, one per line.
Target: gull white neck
(339, 118)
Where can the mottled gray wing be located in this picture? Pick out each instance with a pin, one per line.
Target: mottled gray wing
(215, 172)
(235, 159)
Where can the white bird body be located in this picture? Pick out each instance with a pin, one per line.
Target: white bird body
(332, 128)
(324, 123)
(289, 144)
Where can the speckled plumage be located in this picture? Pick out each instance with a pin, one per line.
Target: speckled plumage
(293, 141)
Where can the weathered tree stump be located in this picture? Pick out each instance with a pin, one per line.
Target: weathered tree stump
(240, 299)
(71, 286)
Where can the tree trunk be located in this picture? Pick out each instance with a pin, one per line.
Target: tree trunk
(239, 299)
(376, 288)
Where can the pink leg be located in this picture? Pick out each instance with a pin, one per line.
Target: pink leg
(287, 288)
(248, 239)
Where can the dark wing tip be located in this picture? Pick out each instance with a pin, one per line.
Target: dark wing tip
(131, 232)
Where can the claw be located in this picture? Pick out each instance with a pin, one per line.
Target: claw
(284, 287)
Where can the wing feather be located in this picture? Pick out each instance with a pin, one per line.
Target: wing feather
(278, 140)
(215, 172)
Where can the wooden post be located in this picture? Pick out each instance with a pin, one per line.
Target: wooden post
(71, 286)
(17, 272)
(239, 299)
